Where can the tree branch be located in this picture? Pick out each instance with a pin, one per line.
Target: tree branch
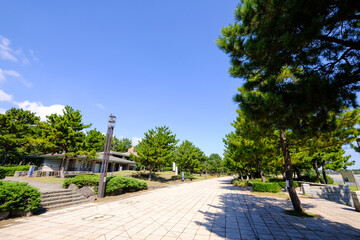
(351, 44)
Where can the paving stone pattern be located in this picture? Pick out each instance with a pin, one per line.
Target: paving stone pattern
(211, 209)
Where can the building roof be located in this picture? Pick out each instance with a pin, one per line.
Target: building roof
(114, 157)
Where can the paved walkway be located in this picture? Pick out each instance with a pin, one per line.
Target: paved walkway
(42, 186)
(211, 209)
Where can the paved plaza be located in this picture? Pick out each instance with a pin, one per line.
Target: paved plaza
(211, 209)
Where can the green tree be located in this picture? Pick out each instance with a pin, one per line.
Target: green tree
(318, 42)
(156, 148)
(64, 135)
(94, 141)
(188, 157)
(122, 145)
(215, 164)
(18, 131)
(320, 37)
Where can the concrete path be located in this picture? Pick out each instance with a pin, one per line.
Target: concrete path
(42, 186)
(211, 209)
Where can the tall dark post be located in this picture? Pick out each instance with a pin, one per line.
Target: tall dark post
(105, 161)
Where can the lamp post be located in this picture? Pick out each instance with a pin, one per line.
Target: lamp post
(105, 161)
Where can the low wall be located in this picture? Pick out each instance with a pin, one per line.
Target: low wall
(51, 173)
(340, 194)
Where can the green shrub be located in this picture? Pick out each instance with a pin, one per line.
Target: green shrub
(2, 173)
(282, 182)
(11, 169)
(83, 180)
(235, 182)
(313, 178)
(177, 177)
(114, 184)
(124, 184)
(186, 176)
(16, 196)
(266, 187)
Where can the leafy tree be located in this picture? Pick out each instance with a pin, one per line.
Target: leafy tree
(318, 42)
(122, 145)
(18, 132)
(188, 156)
(156, 148)
(94, 141)
(216, 164)
(320, 37)
(63, 134)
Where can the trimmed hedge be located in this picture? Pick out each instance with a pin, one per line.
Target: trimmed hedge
(2, 173)
(124, 184)
(179, 177)
(82, 180)
(114, 184)
(282, 183)
(266, 187)
(17, 196)
(10, 170)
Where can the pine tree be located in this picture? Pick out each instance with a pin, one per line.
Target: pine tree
(156, 148)
(18, 130)
(64, 135)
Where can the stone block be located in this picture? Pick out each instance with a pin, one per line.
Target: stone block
(73, 187)
(86, 192)
(356, 200)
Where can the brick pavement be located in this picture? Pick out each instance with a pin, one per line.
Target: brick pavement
(211, 209)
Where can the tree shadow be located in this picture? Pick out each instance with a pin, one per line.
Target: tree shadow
(243, 216)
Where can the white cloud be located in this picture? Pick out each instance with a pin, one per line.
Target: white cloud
(4, 97)
(33, 55)
(10, 73)
(40, 110)
(135, 140)
(99, 105)
(2, 110)
(6, 52)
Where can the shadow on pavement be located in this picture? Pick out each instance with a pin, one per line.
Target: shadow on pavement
(243, 216)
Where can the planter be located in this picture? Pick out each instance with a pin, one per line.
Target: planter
(4, 215)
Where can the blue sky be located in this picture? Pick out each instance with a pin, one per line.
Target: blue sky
(150, 63)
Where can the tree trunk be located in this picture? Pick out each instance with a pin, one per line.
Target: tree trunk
(316, 168)
(324, 174)
(260, 170)
(62, 174)
(150, 169)
(288, 173)
(5, 156)
(241, 176)
(298, 173)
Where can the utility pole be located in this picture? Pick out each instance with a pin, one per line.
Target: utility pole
(105, 161)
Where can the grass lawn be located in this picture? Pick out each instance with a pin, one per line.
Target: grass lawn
(272, 195)
(352, 188)
(44, 179)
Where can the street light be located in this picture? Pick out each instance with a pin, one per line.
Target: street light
(105, 161)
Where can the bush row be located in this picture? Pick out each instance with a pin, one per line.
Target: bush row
(10, 170)
(114, 184)
(179, 177)
(16, 196)
(266, 187)
(282, 182)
